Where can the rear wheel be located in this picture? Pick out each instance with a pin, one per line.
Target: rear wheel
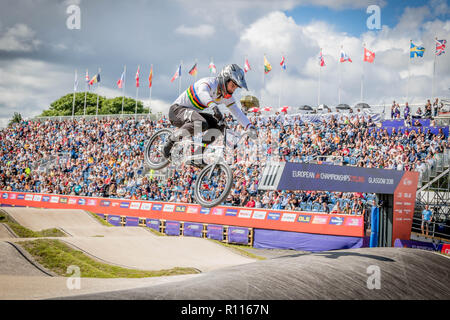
(153, 150)
(213, 184)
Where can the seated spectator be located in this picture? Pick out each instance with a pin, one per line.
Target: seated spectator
(336, 208)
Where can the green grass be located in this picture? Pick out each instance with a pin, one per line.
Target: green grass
(240, 248)
(23, 232)
(103, 222)
(57, 257)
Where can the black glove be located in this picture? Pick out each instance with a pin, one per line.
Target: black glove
(217, 114)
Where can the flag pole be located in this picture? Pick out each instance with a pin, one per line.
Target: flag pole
(151, 87)
(362, 74)
(339, 90)
(195, 77)
(74, 91)
(179, 79)
(409, 71)
(98, 86)
(123, 86)
(434, 72)
(137, 89)
(320, 69)
(85, 92)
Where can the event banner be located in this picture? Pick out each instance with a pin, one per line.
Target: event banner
(306, 222)
(402, 184)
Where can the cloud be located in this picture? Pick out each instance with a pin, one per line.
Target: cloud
(19, 38)
(202, 31)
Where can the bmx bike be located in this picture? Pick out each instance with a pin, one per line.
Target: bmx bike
(214, 182)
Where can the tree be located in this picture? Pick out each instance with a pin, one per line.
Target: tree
(63, 106)
(17, 118)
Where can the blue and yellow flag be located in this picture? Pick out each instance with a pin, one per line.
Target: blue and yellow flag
(416, 51)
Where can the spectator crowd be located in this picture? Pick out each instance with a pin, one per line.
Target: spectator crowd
(104, 158)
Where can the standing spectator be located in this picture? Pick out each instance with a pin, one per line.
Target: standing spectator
(406, 111)
(435, 107)
(427, 217)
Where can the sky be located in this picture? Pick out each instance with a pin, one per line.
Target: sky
(39, 52)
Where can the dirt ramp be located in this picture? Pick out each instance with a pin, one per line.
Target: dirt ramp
(347, 274)
(14, 263)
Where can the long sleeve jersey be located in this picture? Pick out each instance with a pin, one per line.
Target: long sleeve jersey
(205, 93)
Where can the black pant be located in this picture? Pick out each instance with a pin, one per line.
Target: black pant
(187, 119)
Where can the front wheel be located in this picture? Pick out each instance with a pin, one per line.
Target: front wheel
(213, 184)
(153, 150)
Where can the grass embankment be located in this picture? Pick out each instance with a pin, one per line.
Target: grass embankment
(240, 248)
(23, 232)
(102, 221)
(57, 257)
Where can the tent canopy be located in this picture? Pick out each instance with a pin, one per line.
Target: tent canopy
(343, 106)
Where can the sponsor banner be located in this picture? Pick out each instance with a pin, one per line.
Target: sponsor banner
(135, 205)
(227, 216)
(245, 213)
(306, 176)
(132, 221)
(192, 209)
(157, 207)
(320, 220)
(37, 197)
(193, 229)
(168, 207)
(146, 206)
(288, 217)
(261, 215)
(13, 196)
(29, 197)
(415, 244)
(114, 220)
(153, 223)
(124, 205)
(273, 216)
(337, 221)
(180, 209)
(217, 211)
(105, 203)
(172, 228)
(238, 235)
(445, 248)
(231, 212)
(214, 232)
(304, 218)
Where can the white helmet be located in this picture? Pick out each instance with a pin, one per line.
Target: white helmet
(234, 73)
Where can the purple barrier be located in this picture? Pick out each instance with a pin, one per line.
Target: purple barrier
(274, 239)
(415, 244)
(114, 220)
(193, 229)
(153, 224)
(101, 216)
(238, 235)
(172, 228)
(214, 232)
(132, 222)
(434, 130)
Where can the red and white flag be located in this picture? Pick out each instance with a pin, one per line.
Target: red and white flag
(254, 109)
(369, 56)
(246, 66)
(177, 74)
(120, 81)
(321, 60)
(137, 77)
(284, 109)
(345, 57)
(267, 109)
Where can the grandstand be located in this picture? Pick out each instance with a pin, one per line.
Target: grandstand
(103, 157)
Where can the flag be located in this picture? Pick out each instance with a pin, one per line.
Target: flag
(283, 63)
(369, 56)
(150, 77)
(284, 109)
(440, 46)
(193, 71)
(177, 74)
(137, 77)
(95, 79)
(345, 57)
(120, 81)
(76, 81)
(267, 108)
(212, 68)
(254, 109)
(247, 66)
(87, 77)
(267, 66)
(321, 60)
(416, 51)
